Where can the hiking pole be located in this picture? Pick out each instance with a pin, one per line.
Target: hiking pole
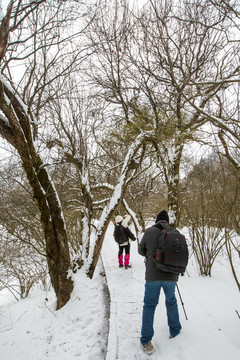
(181, 302)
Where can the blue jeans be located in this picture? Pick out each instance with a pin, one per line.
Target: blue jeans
(152, 292)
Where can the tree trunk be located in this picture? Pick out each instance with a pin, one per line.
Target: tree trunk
(113, 203)
(98, 246)
(173, 185)
(19, 134)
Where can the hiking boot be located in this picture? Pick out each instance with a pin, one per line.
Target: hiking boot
(128, 266)
(148, 348)
(120, 265)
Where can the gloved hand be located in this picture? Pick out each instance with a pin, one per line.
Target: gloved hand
(125, 221)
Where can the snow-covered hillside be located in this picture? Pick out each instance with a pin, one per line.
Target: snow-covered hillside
(32, 329)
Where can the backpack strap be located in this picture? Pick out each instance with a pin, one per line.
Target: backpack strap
(161, 231)
(165, 231)
(122, 232)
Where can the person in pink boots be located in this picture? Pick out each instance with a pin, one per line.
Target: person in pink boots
(123, 235)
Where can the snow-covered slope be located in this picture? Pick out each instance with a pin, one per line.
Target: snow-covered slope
(32, 329)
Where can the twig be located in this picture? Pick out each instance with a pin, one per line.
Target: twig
(48, 307)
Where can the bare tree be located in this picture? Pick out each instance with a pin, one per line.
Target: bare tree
(222, 111)
(152, 68)
(18, 121)
(210, 203)
(100, 173)
(207, 238)
(233, 248)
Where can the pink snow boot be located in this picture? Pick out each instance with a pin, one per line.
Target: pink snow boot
(126, 261)
(120, 261)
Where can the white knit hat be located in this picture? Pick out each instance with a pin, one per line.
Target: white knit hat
(118, 219)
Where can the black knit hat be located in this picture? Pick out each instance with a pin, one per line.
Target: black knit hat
(163, 215)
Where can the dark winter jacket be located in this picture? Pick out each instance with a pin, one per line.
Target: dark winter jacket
(124, 232)
(147, 247)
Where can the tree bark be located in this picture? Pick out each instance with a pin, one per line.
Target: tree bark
(98, 246)
(173, 187)
(19, 134)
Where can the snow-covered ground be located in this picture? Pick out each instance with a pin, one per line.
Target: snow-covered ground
(32, 329)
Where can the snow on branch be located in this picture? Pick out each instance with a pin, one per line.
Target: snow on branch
(96, 203)
(13, 92)
(4, 121)
(133, 216)
(114, 200)
(103, 186)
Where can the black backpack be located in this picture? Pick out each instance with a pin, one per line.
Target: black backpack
(119, 235)
(172, 256)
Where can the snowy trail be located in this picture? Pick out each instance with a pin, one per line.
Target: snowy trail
(202, 336)
(126, 306)
(32, 329)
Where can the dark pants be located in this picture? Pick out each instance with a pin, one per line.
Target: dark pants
(126, 248)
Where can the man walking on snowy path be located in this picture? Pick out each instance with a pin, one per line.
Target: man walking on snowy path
(155, 280)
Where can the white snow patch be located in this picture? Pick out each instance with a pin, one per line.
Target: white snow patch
(32, 329)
